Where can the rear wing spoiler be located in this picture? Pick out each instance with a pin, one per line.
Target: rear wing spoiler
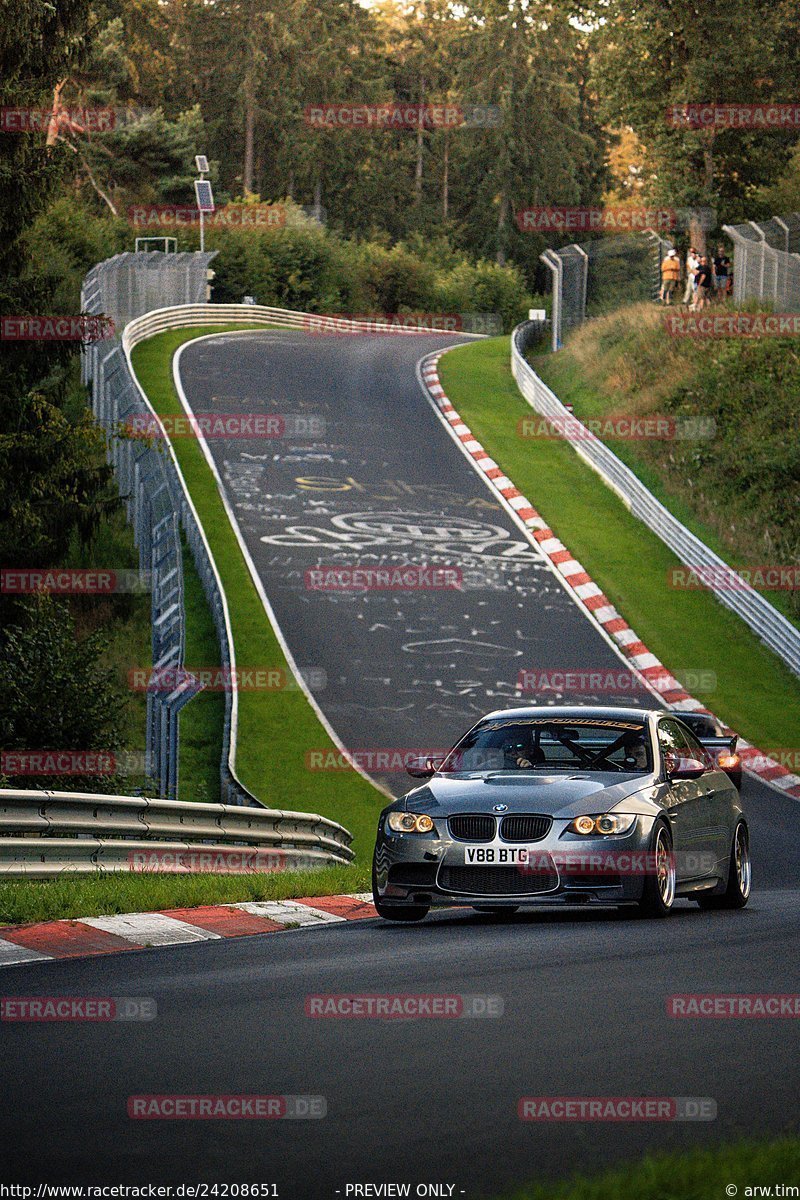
(719, 743)
(716, 747)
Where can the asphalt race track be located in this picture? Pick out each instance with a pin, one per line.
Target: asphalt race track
(385, 486)
(584, 993)
(584, 998)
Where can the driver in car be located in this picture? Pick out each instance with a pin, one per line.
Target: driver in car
(636, 755)
(634, 751)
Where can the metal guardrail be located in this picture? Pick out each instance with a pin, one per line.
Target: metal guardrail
(45, 833)
(758, 614)
(185, 315)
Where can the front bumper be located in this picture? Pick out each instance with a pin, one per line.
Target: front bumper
(432, 869)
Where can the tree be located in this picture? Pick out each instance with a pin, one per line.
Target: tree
(652, 57)
(57, 693)
(519, 57)
(53, 481)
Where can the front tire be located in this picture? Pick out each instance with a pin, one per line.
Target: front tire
(658, 895)
(740, 874)
(397, 912)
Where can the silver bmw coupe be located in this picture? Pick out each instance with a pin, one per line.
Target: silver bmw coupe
(570, 805)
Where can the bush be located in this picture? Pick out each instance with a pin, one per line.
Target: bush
(57, 693)
(301, 266)
(66, 241)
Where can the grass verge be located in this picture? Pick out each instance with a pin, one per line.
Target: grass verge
(696, 1175)
(688, 630)
(738, 490)
(202, 722)
(276, 728)
(76, 895)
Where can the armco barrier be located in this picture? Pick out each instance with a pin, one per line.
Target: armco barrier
(45, 833)
(766, 622)
(185, 315)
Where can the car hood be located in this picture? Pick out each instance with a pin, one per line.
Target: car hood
(560, 795)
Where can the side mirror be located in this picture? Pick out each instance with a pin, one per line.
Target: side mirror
(683, 768)
(423, 768)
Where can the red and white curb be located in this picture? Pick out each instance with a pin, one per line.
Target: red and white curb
(586, 591)
(91, 936)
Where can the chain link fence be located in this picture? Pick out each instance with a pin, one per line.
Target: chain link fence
(602, 274)
(766, 262)
(120, 289)
(130, 285)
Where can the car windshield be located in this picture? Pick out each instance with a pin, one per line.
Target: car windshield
(552, 744)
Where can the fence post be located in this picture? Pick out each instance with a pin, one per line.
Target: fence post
(584, 279)
(551, 260)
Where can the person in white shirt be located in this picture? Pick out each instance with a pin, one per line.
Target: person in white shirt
(692, 263)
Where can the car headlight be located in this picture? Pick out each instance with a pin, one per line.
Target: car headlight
(406, 822)
(606, 824)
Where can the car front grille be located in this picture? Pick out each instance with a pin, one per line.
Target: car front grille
(472, 827)
(525, 827)
(497, 881)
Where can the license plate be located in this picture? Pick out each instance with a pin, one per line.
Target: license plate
(496, 856)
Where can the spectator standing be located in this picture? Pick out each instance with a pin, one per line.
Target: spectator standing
(670, 275)
(703, 280)
(722, 269)
(692, 263)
